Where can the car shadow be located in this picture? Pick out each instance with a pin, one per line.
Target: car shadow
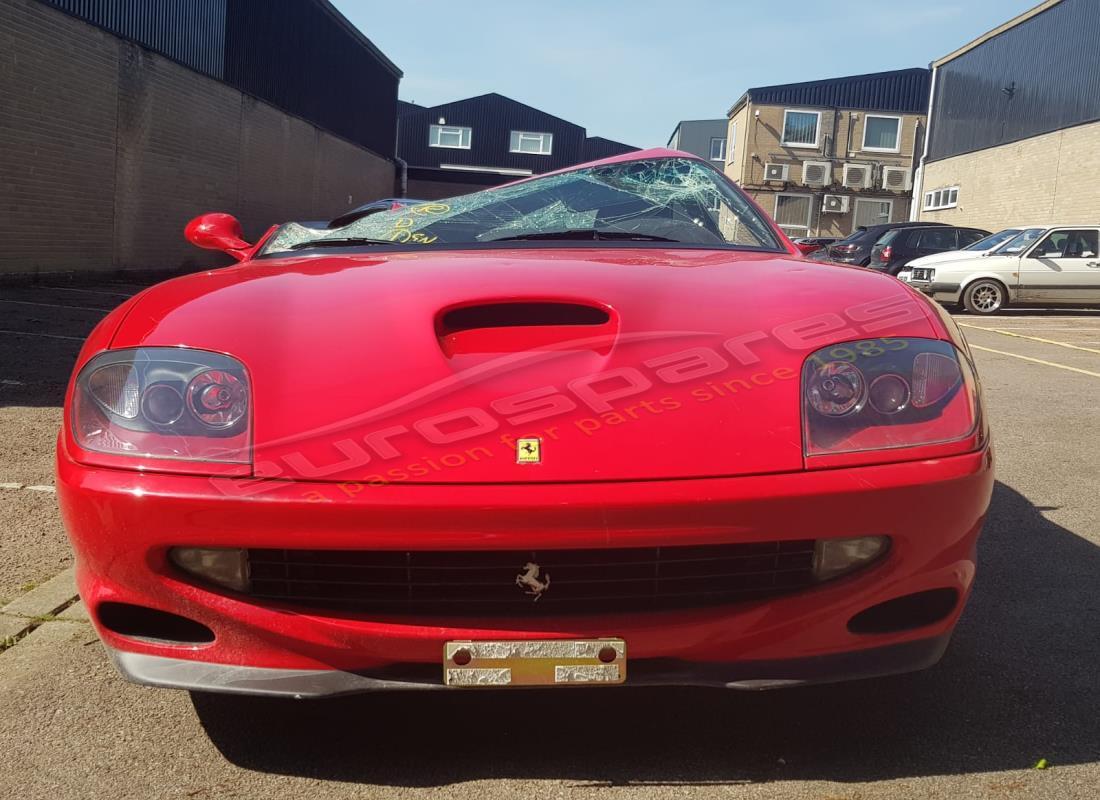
(1039, 311)
(1018, 684)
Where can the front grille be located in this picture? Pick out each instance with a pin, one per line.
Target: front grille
(434, 583)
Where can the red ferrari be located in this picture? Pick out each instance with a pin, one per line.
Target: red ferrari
(600, 426)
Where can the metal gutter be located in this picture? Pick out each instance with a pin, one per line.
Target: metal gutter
(918, 184)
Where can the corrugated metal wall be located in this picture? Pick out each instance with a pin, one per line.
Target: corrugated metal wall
(1037, 77)
(491, 118)
(191, 32)
(295, 54)
(596, 147)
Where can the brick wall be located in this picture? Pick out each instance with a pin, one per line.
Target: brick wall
(107, 150)
(57, 138)
(1048, 179)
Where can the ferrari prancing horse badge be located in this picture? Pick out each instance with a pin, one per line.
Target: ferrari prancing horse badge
(529, 450)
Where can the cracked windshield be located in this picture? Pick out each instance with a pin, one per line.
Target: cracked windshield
(651, 200)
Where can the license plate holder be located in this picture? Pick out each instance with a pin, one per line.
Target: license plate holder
(534, 662)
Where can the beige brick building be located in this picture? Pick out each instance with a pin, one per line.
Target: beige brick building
(827, 156)
(1014, 134)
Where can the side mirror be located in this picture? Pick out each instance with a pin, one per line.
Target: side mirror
(218, 231)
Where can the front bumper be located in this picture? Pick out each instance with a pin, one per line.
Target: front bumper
(123, 523)
(942, 292)
(198, 676)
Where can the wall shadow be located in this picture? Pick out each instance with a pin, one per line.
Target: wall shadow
(1016, 685)
(43, 325)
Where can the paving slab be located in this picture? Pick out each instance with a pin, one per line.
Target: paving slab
(45, 599)
(77, 612)
(10, 628)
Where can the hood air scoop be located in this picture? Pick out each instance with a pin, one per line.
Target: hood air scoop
(513, 326)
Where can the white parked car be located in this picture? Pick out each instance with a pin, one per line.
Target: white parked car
(1058, 264)
(990, 242)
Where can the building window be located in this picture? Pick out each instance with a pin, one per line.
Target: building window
(881, 134)
(453, 136)
(873, 212)
(731, 142)
(539, 144)
(717, 149)
(792, 213)
(800, 128)
(941, 198)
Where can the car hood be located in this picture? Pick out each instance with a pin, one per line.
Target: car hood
(625, 364)
(942, 258)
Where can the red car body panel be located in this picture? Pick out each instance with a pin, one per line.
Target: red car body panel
(149, 513)
(675, 418)
(671, 333)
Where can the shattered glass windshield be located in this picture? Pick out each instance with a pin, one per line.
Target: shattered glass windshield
(649, 200)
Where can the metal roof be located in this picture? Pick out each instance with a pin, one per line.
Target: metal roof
(359, 36)
(985, 37)
(903, 91)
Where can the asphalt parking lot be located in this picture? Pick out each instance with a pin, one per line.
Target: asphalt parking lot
(1018, 684)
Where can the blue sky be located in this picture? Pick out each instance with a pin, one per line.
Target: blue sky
(630, 69)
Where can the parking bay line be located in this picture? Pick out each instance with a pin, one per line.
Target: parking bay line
(1032, 338)
(56, 305)
(1035, 360)
(85, 291)
(44, 335)
(36, 487)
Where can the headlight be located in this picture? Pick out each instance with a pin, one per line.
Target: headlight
(887, 393)
(164, 403)
(224, 566)
(836, 557)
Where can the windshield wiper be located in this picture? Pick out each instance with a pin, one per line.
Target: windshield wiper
(585, 234)
(348, 241)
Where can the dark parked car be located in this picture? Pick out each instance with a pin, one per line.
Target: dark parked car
(899, 246)
(856, 248)
(811, 244)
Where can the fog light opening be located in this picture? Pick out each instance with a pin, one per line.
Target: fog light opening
(906, 612)
(224, 566)
(151, 625)
(836, 557)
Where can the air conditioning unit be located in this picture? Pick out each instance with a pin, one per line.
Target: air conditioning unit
(857, 176)
(776, 172)
(835, 204)
(817, 173)
(896, 179)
